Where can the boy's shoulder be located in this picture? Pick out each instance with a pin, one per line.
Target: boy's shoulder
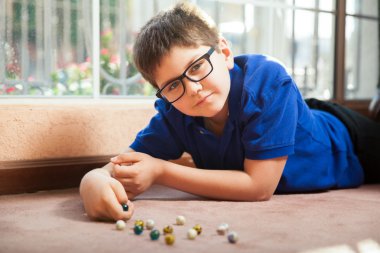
(260, 64)
(257, 79)
(261, 74)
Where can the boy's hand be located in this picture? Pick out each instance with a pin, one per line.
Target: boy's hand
(102, 197)
(136, 171)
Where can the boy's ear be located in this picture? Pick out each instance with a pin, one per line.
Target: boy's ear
(227, 52)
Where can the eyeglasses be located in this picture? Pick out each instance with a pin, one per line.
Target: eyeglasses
(197, 71)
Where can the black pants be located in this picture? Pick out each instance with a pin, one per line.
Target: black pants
(364, 132)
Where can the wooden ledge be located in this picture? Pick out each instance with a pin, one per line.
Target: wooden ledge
(37, 175)
(48, 174)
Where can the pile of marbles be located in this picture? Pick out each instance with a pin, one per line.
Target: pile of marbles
(168, 231)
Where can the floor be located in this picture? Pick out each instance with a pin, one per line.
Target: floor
(334, 221)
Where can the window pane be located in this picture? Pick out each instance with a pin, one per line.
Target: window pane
(305, 4)
(362, 58)
(313, 53)
(302, 40)
(271, 33)
(326, 5)
(120, 21)
(45, 49)
(232, 25)
(362, 7)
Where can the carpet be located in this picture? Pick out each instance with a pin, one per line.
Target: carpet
(333, 221)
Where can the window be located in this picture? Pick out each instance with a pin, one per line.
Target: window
(47, 47)
(299, 33)
(362, 50)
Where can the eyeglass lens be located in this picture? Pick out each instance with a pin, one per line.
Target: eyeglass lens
(195, 72)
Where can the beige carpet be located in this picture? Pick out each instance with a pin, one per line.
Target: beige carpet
(334, 221)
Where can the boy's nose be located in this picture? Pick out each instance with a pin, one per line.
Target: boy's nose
(192, 88)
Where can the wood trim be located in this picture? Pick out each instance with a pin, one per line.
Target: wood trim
(360, 106)
(340, 47)
(47, 174)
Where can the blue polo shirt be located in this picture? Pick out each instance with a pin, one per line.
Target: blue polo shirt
(268, 118)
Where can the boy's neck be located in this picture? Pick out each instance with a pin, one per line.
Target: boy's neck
(216, 123)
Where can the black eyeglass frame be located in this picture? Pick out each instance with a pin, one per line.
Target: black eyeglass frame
(181, 77)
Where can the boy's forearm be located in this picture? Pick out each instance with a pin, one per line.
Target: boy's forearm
(217, 184)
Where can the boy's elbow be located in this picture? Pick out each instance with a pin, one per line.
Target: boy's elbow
(261, 191)
(265, 197)
(261, 196)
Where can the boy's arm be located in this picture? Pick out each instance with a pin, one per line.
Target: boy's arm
(257, 182)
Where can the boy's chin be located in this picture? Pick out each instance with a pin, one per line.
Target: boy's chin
(208, 114)
(213, 112)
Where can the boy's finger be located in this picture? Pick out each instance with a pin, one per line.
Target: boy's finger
(123, 171)
(119, 191)
(125, 182)
(121, 198)
(129, 157)
(130, 189)
(131, 196)
(115, 210)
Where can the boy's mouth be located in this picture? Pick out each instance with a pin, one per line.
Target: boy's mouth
(203, 99)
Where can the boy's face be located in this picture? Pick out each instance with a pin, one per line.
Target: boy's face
(205, 98)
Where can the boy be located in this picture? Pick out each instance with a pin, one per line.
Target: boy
(241, 119)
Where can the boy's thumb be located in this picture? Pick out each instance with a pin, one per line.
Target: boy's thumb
(114, 159)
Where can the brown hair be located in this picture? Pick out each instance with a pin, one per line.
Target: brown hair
(184, 25)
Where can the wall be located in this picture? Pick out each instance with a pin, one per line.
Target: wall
(69, 128)
(51, 144)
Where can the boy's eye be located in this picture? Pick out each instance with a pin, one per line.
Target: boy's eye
(173, 86)
(196, 67)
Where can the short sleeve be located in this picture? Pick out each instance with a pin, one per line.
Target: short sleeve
(158, 139)
(270, 120)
